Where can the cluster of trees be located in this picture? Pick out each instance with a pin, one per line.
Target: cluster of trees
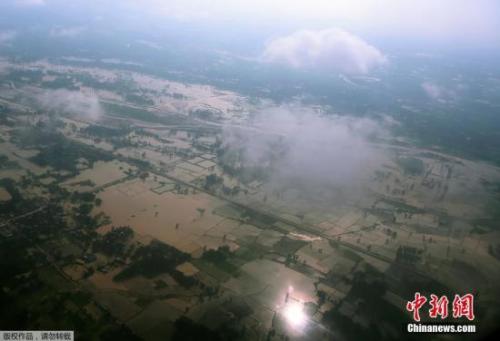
(56, 150)
(114, 242)
(22, 306)
(217, 256)
(104, 132)
(212, 180)
(408, 254)
(186, 329)
(221, 257)
(152, 260)
(83, 216)
(64, 155)
(17, 204)
(367, 292)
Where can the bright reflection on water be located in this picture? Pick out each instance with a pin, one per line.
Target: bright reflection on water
(294, 314)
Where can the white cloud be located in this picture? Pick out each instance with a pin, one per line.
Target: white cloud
(331, 49)
(437, 92)
(72, 102)
(149, 44)
(30, 2)
(66, 32)
(301, 148)
(7, 36)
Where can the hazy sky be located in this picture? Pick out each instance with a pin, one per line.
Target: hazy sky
(428, 19)
(464, 23)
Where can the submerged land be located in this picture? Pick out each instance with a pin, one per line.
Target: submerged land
(127, 212)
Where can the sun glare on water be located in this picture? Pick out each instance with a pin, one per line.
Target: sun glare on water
(294, 314)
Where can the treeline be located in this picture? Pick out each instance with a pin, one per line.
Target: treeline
(104, 132)
(56, 150)
(114, 242)
(152, 260)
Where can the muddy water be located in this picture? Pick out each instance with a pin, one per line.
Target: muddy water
(17, 154)
(169, 217)
(272, 281)
(101, 174)
(4, 195)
